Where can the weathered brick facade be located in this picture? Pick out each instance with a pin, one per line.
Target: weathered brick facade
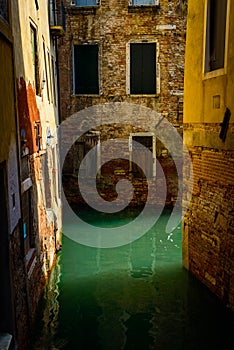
(30, 213)
(113, 25)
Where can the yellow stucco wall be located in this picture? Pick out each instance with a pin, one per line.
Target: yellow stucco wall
(200, 88)
(7, 112)
(208, 219)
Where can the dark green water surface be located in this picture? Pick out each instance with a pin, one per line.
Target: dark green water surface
(133, 297)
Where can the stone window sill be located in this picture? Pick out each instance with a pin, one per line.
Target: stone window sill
(86, 95)
(214, 74)
(143, 95)
(151, 7)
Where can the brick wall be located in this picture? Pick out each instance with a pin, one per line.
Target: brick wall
(19, 289)
(209, 222)
(113, 25)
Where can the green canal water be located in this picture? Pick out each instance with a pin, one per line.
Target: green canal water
(133, 297)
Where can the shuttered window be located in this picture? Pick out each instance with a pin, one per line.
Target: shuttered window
(86, 80)
(144, 2)
(215, 34)
(143, 68)
(86, 2)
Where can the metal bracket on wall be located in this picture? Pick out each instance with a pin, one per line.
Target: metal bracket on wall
(224, 125)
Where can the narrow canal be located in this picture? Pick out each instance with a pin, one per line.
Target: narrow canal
(133, 297)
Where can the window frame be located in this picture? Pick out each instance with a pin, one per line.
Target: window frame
(219, 71)
(98, 70)
(139, 135)
(128, 68)
(53, 77)
(46, 78)
(29, 239)
(35, 58)
(50, 76)
(131, 3)
(75, 3)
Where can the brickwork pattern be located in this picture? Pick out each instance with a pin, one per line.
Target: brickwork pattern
(209, 221)
(113, 25)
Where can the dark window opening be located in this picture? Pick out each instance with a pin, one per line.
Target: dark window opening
(215, 34)
(45, 166)
(144, 158)
(4, 12)
(35, 59)
(86, 79)
(27, 221)
(88, 166)
(143, 68)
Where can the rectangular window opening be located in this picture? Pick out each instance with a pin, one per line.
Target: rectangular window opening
(35, 60)
(27, 220)
(46, 72)
(54, 80)
(87, 3)
(86, 72)
(139, 145)
(143, 2)
(50, 78)
(215, 34)
(143, 68)
(4, 10)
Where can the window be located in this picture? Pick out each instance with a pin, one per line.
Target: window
(87, 166)
(34, 49)
(215, 34)
(140, 157)
(53, 79)
(27, 220)
(143, 2)
(143, 68)
(87, 2)
(85, 61)
(4, 9)
(51, 89)
(46, 73)
(55, 174)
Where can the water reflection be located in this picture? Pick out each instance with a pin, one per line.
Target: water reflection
(136, 296)
(50, 310)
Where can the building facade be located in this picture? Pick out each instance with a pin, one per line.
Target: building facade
(10, 213)
(208, 239)
(124, 52)
(29, 163)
